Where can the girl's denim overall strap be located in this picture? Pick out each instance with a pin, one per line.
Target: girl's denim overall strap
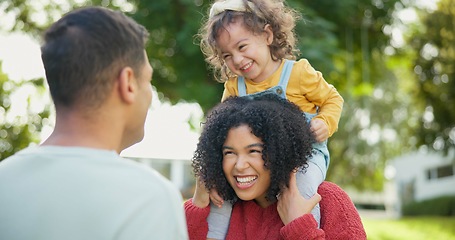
(280, 89)
(241, 86)
(285, 75)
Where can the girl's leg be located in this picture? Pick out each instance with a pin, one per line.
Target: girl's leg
(218, 220)
(308, 181)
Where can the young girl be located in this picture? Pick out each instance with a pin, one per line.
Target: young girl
(251, 47)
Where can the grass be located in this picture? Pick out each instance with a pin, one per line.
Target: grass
(415, 228)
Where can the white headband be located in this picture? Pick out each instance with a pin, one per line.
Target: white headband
(234, 5)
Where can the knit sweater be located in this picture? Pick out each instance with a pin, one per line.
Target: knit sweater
(339, 220)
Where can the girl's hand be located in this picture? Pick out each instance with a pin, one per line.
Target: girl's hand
(216, 199)
(292, 205)
(319, 129)
(201, 195)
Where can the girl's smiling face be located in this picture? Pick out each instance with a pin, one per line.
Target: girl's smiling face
(244, 167)
(247, 54)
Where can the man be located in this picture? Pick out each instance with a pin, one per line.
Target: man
(75, 185)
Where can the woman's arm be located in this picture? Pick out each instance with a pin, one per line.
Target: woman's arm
(197, 210)
(196, 220)
(303, 228)
(339, 217)
(295, 212)
(291, 205)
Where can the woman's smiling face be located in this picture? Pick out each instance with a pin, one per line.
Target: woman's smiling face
(244, 167)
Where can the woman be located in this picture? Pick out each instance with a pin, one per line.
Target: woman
(249, 151)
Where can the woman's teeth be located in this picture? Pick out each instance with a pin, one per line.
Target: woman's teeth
(246, 179)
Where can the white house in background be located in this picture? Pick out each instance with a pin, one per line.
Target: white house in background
(169, 153)
(169, 143)
(418, 176)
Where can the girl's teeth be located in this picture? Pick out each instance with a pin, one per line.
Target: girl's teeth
(247, 66)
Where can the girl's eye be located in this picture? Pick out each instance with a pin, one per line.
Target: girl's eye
(242, 47)
(226, 56)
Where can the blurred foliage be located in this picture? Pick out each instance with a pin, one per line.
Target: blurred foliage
(433, 41)
(179, 68)
(348, 41)
(28, 15)
(440, 206)
(17, 132)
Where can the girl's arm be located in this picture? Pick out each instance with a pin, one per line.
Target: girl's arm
(324, 95)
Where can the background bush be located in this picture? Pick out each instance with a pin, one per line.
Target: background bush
(440, 206)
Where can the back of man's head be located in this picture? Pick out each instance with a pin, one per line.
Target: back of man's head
(84, 52)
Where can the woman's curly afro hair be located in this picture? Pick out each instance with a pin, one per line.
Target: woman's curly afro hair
(280, 125)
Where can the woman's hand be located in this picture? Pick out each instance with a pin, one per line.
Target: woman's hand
(291, 204)
(201, 197)
(215, 197)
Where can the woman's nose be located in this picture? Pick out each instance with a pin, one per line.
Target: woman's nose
(242, 163)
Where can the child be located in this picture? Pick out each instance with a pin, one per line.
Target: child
(251, 47)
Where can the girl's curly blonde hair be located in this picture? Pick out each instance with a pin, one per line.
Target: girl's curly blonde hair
(281, 19)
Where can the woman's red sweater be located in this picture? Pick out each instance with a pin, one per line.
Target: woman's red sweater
(339, 220)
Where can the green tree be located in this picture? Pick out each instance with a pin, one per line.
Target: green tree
(180, 71)
(17, 132)
(434, 69)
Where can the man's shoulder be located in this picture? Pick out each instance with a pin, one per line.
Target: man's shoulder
(98, 166)
(147, 177)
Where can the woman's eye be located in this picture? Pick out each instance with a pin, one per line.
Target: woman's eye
(256, 151)
(242, 47)
(226, 56)
(227, 153)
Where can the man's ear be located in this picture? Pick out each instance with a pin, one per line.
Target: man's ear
(268, 33)
(127, 85)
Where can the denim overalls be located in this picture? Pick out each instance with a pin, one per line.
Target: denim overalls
(321, 156)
